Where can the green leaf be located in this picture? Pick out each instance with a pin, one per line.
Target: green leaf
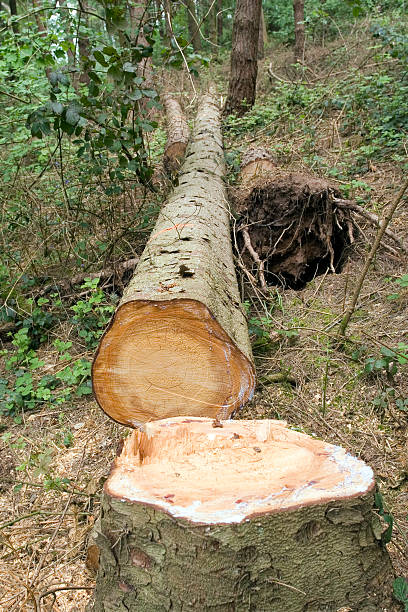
(387, 535)
(53, 78)
(378, 498)
(57, 108)
(135, 95)
(92, 75)
(400, 589)
(403, 281)
(387, 352)
(100, 58)
(149, 93)
(380, 364)
(72, 116)
(109, 50)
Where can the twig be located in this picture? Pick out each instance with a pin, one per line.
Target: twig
(9, 95)
(68, 588)
(275, 76)
(384, 224)
(255, 257)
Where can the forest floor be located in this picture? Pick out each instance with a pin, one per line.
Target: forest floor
(54, 460)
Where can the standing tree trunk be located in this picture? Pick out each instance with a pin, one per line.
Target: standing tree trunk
(168, 20)
(244, 54)
(13, 12)
(83, 44)
(299, 14)
(237, 516)
(178, 344)
(205, 16)
(263, 36)
(220, 22)
(193, 25)
(138, 17)
(211, 20)
(38, 19)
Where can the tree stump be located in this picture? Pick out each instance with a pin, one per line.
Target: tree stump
(178, 134)
(290, 228)
(237, 516)
(178, 343)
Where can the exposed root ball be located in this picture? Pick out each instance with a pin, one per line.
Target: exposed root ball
(295, 229)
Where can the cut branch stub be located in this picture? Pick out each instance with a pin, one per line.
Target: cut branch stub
(178, 134)
(217, 515)
(178, 344)
(290, 221)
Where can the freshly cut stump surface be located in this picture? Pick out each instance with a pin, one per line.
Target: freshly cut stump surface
(178, 343)
(238, 515)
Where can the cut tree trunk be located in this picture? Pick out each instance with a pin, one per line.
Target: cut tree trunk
(299, 15)
(244, 57)
(178, 134)
(178, 343)
(237, 516)
(290, 229)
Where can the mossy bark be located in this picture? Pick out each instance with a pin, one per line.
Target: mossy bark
(315, 559)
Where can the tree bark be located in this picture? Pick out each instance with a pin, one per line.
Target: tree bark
(13, 13)
(83, 46)
(220, 22)
(193, 25)
(299, 15)
(178, 343)
(178, 134)
(167, 20)
(290, 229)
(237, 516)
(213, 26)
(38, 19)
(244, 64)
(138, 18)
(263, 36)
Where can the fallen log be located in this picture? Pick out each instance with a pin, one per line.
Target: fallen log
(178, 343)
(178, 134)
(290, 230)
(238, 515)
